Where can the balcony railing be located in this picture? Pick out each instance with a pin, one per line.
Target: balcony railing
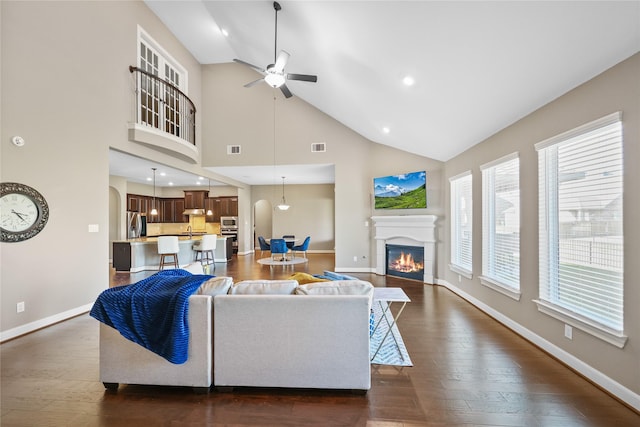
(161, 105)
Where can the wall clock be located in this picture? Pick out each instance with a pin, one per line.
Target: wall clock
(23, 212)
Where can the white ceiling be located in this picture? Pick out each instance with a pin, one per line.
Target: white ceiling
(139, 170)
(479, 66)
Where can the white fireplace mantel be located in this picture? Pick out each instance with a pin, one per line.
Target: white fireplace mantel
(410, 230)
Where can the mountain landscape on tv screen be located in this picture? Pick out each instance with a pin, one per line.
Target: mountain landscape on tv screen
(403, 191)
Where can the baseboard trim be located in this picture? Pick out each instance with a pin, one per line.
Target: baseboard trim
(354, 270)
(43, 323)
(610, 385)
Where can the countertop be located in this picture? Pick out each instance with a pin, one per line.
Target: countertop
(154, 239)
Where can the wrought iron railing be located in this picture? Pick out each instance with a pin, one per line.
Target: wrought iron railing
(161, 105)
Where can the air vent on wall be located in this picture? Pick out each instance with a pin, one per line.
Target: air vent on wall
(318, 147)
(233, 149)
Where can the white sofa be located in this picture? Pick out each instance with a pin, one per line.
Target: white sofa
(301, 341)
(123, 361)
(254, 337)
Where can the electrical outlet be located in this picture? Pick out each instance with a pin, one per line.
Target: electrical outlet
(20, 307)
(355, 258)
(568, 332)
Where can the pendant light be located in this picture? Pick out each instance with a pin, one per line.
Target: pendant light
(283, 206)
(209, 211)
(154, 211)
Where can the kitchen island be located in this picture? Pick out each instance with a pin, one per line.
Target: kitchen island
(141, 254)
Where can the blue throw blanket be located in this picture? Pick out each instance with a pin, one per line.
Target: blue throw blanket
(152, 312)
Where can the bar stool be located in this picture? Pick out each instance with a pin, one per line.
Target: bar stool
(168, 247)
(205, 248)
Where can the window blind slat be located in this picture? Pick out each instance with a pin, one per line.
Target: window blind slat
(501, 222)
(580, 213)
(461, 224)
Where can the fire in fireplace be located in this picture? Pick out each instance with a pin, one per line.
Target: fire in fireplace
(405, 261)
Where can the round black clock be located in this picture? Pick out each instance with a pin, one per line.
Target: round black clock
(23, 212)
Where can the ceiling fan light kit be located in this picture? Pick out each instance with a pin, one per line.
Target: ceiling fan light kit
(274, 74)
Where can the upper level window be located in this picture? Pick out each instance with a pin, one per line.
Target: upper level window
(461, 224)
(161, 100)
(501, 225)
(580, 227)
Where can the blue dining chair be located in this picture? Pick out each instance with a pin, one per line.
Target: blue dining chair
(302, 248)
(264, 246)
(290, 240)
(278, 246)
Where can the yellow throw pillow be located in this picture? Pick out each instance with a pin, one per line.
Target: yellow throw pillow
(303, 278)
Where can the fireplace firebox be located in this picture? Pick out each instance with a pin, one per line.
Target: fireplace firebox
(405, 261)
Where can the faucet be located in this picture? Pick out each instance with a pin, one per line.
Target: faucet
(189, 230)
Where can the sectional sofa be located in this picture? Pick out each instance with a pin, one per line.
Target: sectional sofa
(260, 333)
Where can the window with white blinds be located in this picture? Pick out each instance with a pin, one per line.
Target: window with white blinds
(580, 223)
(501, 225)
(461, 224)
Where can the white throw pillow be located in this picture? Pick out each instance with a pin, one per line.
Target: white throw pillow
(337, 287)
(264, 287)
(215, 286)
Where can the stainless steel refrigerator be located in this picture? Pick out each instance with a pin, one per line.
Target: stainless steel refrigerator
(136, 225)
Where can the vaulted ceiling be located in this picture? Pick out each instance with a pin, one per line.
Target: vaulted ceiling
(477, 66)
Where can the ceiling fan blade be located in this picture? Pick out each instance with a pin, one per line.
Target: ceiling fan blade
(281, 61)
(240, 61)
(302, 77)
(253, 83)
(286, 92)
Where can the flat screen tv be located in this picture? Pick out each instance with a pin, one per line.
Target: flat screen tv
(403, 191)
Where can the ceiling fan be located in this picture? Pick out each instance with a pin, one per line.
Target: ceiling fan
(274, 74)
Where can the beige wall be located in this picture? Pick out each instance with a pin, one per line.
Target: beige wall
(237, 115)
(618, 89)
(311, 213)
(66, 89)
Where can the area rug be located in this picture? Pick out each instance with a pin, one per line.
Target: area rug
(269, 261)
(389, 353)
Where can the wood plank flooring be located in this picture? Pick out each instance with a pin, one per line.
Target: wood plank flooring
(468, 370)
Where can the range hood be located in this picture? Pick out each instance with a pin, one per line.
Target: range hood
(194, 202)
(193, 212)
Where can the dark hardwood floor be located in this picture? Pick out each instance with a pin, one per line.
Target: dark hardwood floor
(468, 370)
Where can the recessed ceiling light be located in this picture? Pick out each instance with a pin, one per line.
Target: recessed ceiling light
(171, 183)
(224, 32)
(149, 179)
(163, 174)
(386, 129)
(408, 81)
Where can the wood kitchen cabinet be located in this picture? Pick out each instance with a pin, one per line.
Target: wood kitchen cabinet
(209, 205)
(223, 206)
(195, 199)
(178, 206)
(167, 211)
(229, 206)
(143, 205)
(172, 210)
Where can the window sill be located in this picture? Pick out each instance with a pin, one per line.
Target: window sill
(461, 271)
(499, 287)
(580, 322)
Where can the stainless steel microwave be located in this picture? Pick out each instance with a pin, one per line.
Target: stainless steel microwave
(228, 222)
